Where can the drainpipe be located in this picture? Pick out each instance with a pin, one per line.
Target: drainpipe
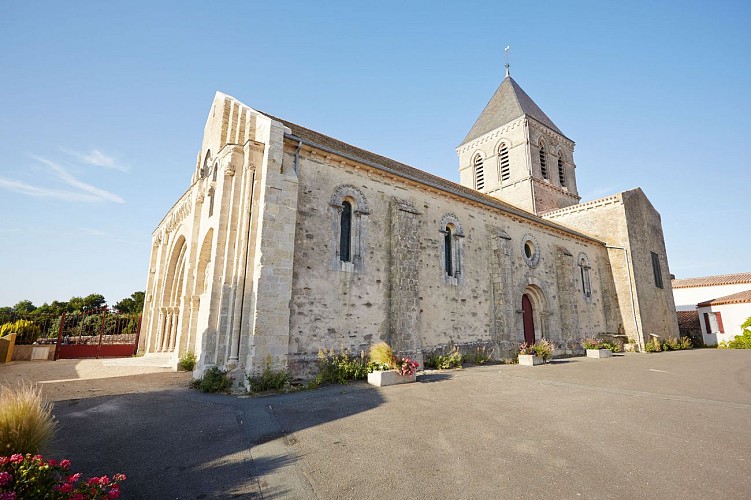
(639, 336)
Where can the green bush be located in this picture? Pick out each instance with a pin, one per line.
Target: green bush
(269, 379)
(27, 331)
(686, 343)
(213, 380)
(339, 367)
(671, 344)
(653, 345)
(478, 356)
(188, 361)
(26, 421)
(444, 361)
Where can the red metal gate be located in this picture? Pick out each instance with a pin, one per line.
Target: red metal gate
(97, 334)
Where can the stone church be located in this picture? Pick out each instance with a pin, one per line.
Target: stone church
(288, 241)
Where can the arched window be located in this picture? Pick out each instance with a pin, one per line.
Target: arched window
(561, 172)
(349, 211)
(453, 235)
(543, 165)
(216, 170)
(504, 163)
(584, 269)
(211, 202)
(448, 252)
(479, 173)
(345, 233)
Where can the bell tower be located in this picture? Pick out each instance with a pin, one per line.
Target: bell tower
(515, 153)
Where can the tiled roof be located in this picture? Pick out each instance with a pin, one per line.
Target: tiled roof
(317, 139)
(507, 104)
(724, 279)
(743, 297)
(688, 320)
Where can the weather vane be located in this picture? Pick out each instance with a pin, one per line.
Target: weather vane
(506, 51)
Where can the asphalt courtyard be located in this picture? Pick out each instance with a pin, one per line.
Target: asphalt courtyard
(667, 425)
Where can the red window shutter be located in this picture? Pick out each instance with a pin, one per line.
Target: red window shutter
(706, 323)
(719, 322)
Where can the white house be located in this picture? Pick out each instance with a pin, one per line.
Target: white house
(721, 318)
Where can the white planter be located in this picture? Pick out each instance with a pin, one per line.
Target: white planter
(599, 353)
(389, 377)
(530, 360)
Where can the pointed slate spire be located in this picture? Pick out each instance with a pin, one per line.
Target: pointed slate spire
(507, 104)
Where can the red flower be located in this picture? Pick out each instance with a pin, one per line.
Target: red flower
(5, 478)
(74, 478)
(66, 488)
(65, 464)
(16, 458)
(104, 480)
(119, 477)
(113, 493)
(8, 496)
(52, 462)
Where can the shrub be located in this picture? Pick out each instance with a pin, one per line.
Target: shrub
(27, 331)
(188, 361)
(544, 349)
(671, 344)
(445, 361)
(340, 368)
(526, 349)
(686, 343)
(26, 422)
(741, 341)
(478, 356)
(31, 476)
(653, 345)
(269, 379)
(382, 355)
(213, 380)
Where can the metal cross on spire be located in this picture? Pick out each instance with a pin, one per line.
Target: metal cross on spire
(506, 53)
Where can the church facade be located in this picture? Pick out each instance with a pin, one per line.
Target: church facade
(288, 241)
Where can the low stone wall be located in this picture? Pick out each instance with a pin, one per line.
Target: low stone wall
(27, 352)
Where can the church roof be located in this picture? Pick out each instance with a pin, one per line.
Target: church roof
(335, 146)
(507, 104)
(724, 279)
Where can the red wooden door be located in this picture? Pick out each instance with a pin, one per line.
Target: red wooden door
(529, 322)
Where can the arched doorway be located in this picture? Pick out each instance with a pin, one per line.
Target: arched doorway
(528, 319)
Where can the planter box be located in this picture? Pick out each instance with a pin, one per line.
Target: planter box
(389, 377)
(530, 360)
(599, 353)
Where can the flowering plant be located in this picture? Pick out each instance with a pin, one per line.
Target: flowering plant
(31, 476)
(542, 348)
(526, 348)
(406, 366)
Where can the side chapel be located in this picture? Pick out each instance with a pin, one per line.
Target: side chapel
(288, 241)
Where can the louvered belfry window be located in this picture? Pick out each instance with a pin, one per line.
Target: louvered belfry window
(345, 237)
(479, 173)
(543, 165)
(505, 167)
(561, 173)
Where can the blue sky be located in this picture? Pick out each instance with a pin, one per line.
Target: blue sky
(103, 107)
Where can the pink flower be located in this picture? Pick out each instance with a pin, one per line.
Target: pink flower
(66, 488)
(104, 480)
(4, 460)
(16, 458)
(5, 478)
(52, 462)
(119, 477)
(94, 480)
(65, 464)
(113, 493)
(8, 496)
(74, 478)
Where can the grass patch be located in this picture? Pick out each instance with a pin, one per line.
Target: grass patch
(26, 422)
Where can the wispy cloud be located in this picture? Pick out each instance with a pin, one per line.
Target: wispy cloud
(97, 159)
(83, 191)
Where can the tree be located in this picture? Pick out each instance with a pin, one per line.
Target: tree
(93, 301)
(24, 307)
(132, 304)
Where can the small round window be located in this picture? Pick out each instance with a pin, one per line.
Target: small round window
(530, 250)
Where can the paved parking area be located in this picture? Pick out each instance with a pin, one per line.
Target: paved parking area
(667, 425)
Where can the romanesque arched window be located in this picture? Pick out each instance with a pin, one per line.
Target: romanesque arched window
(561, 172)
(345, 232)
(451, 249)
(479, 172)
(584, 269)
(349, 210)
(543, 164)
(216, 171)
(503, 161)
